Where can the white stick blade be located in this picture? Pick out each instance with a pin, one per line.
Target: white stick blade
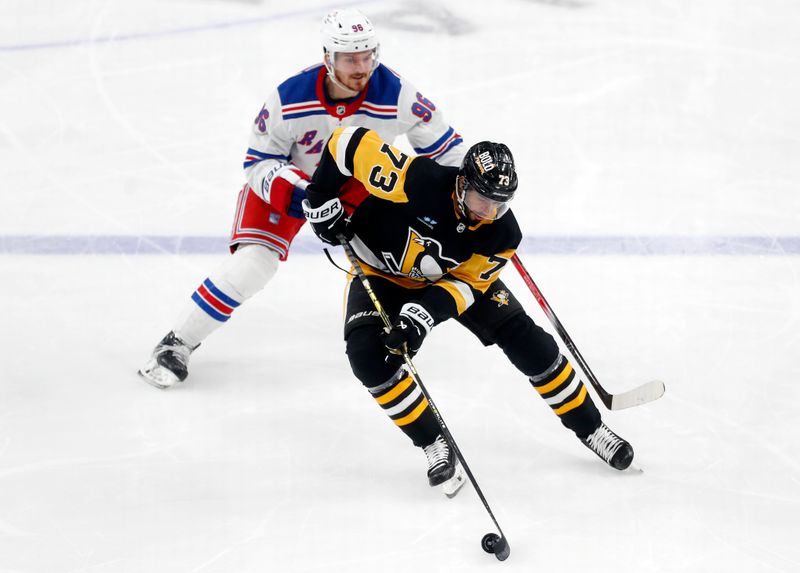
(638, 396)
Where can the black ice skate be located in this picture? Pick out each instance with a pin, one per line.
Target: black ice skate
(169, 363)
(443, 467)
(612, 449)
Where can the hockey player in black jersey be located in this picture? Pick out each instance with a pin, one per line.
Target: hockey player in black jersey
(433, 240)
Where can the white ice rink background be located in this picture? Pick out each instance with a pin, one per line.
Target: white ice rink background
(658, 147)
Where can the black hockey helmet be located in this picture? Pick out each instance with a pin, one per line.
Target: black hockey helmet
(488, 170)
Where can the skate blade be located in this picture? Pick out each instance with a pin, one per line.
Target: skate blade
(158, 376)
(452, 486)
(635, 468)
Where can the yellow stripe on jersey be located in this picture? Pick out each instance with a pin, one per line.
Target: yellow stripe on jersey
(459, 291)
(552, 385)
(480, 271)
(405, 282)
(380, 167)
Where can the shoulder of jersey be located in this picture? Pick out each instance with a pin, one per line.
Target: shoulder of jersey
(426, 182)
(501, 234)
(383, 91)
(426, 173)
(300, 88)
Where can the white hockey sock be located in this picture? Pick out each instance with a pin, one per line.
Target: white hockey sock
(241, 276)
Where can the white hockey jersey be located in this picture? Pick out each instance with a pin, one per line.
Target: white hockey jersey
(298, 117)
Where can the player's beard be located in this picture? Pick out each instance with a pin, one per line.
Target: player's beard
(355, 82)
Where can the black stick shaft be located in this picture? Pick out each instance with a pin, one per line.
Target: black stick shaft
(415, 375)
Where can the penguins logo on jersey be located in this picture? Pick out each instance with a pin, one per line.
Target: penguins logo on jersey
(422, 258)
(501, 297)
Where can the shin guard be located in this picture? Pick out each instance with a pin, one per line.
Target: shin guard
(393, 388)
(567, 396)
(241, 276)
(406, 405)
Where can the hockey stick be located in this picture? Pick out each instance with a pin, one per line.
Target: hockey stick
(491, 542)
(640, 395)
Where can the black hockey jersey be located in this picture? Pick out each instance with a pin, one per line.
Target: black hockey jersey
(409, 229)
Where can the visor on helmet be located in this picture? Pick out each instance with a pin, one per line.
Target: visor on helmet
(350, 62)
(477, 206)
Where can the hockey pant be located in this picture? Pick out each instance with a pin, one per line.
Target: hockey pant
(496, 318)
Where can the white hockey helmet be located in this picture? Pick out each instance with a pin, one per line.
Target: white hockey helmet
(347, 31)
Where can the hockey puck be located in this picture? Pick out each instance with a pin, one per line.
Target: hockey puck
(493, 543)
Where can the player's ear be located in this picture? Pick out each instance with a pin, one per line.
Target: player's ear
(460, 187)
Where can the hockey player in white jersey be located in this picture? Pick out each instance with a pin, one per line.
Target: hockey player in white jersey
(350, 88)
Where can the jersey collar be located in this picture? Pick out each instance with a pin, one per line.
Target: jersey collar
(338, 110)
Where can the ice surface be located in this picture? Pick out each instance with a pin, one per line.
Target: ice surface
(632, 123)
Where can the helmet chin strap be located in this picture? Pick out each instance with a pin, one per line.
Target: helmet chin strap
(462, 211)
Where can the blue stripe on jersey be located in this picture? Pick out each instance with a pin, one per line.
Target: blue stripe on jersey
(261, 157)
(256, 152)
(219, 294)
(383, 87)
(435, 144)
(300, 88)
(452, 144)
(375, 115)
(208, 309)
(305, 114)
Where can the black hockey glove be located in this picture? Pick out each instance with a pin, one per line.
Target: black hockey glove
(328, 219)
(409, 330)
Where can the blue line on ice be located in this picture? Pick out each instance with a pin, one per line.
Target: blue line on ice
(537, 245)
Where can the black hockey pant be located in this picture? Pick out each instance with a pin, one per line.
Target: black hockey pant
(496, 318)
